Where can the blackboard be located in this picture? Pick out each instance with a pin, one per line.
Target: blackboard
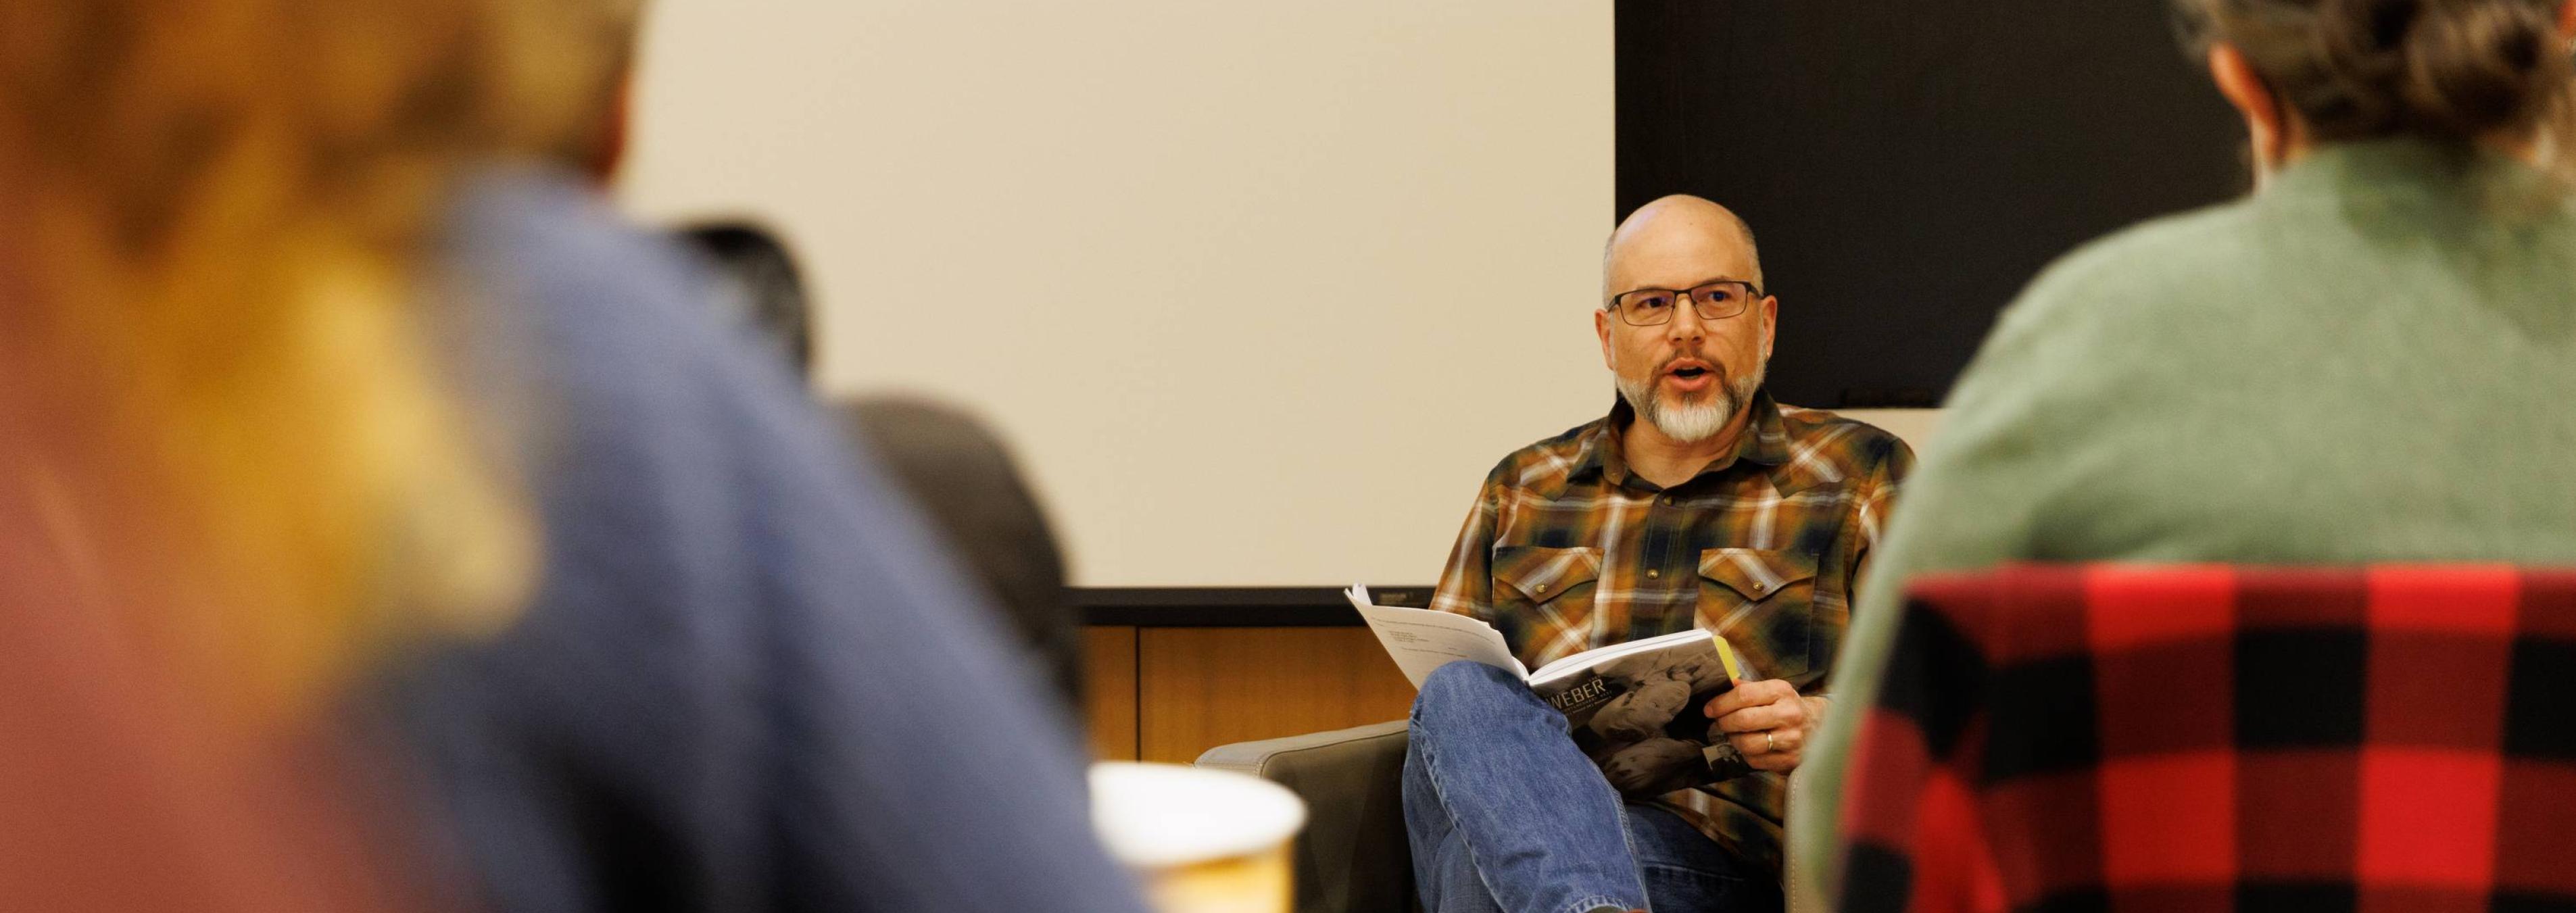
(1908, 165)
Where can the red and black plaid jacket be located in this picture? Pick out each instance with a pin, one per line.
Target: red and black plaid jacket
(2206, 738)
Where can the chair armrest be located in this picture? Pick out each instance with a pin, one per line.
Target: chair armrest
(1352, 857)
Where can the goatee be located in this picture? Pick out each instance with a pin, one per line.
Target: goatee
(1690, 423)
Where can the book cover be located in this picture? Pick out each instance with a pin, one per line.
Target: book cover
(1638, 715)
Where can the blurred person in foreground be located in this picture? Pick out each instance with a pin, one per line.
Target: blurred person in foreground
(948, 463)
(750, 678)
(2368, 359)
(310, 419)
(961, 474)
(756, 285)
(230, 475)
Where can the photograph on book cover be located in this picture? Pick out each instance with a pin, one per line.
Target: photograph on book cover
(1639, 717)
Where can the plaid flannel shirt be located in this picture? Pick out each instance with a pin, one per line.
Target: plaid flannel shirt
(2204, 738)
(1567, 551)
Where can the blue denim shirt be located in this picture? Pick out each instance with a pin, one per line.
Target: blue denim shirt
(748, 680)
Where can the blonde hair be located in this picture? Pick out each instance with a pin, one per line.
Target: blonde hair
(217, 214)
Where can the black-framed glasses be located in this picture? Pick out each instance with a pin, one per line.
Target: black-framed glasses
(1717, 300)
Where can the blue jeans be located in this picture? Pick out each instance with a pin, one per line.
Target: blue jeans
(1505, 814)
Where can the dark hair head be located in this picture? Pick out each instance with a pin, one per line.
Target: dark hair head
(760, 285)
(2452, 70)
(958, 471)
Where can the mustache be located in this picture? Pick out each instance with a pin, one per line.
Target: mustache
(1714, 366)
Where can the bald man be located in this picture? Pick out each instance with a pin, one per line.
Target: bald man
(1697, 502)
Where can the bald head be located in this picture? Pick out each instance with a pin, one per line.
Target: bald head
(1676, 235)
(1689, 370)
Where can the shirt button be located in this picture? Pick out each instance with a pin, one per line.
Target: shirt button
(1542, 588)
(1668, 500)
(1652, 573)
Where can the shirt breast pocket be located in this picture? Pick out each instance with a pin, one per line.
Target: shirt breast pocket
(1763, 602)
(1531, 576)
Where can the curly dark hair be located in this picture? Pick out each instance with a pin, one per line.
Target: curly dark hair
(2455, 70)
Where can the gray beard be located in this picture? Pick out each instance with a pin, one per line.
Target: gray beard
(1691, 423)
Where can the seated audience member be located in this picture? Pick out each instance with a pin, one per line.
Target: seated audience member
(230, 476)
(1697, 502)
(757, 285)
(2368, 359)
(960, 474)
(721, 697)
(264, 311)
(749, 678)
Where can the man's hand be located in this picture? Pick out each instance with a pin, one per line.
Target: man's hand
(1767, 721)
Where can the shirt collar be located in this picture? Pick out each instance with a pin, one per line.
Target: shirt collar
(1765, 442)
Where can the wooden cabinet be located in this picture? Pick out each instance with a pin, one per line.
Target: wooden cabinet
(1203, 687)
(1175, 672)
(1109, 690)
(1191, 689)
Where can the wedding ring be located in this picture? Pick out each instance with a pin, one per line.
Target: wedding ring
(1769, 744)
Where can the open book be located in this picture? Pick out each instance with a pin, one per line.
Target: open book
(1634, 708)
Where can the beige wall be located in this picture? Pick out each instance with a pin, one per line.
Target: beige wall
(1259, 290)
(1916, 426)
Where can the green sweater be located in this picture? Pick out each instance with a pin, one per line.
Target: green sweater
(2371, 359)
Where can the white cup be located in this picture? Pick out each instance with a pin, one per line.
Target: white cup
(1205, 841)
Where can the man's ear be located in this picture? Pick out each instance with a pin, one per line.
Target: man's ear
(1601, 327)
(1770, 324)
(2245, 89)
